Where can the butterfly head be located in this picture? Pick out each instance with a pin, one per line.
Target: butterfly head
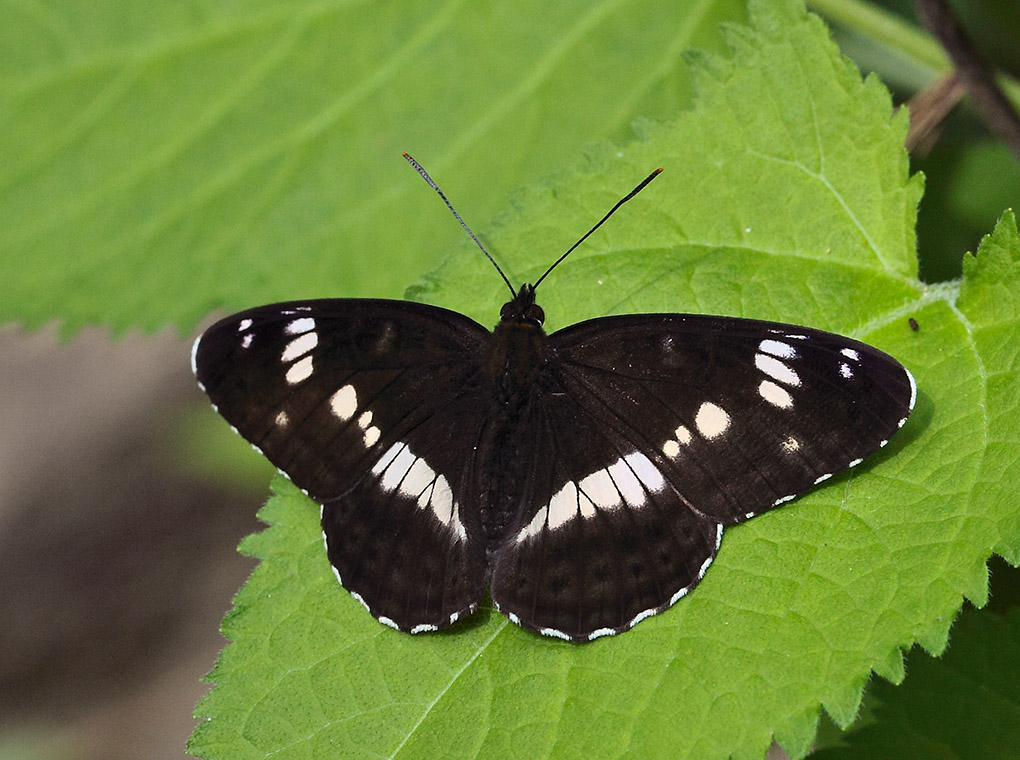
(523, 309)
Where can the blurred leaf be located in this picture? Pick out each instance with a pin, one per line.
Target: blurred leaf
(160, 161)
(971, 179)
(200, 445)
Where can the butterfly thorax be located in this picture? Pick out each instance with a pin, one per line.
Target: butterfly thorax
(517, 351)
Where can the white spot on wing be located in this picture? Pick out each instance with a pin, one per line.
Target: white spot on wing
(585, 505)
(562, 506)
(387, 458)
(344, 402)
(704, 567)
(849, 353)
(418, 478)
(372, 433)
(361, 600)
(566, 504)
(444, 507)
(554, 633)
(776, 369)
(778, 348)
(243, 325)
(646, 472)
(299, 346)
(711, 420)
(397, 469)
(282, 419)
(775, 394)
(846, 371)
(600, 489)
(298, 326)
(791, 445)
(639, 617)
(300, 371)
(627, 482)
(400, 468)
(424, 628)
(679, 595)
(671, 448)
(246, 340)
(535, 526)
(630, 477)
(194, 355)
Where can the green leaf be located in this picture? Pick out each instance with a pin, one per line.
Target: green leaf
(158, 164)
(786, 196)
(964, 705)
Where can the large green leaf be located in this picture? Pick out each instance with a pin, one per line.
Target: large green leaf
(162, 160)
(786, 195)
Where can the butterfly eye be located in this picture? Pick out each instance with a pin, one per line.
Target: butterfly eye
(520, 310)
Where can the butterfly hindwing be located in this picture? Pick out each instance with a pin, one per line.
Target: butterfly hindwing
(602, 540)
(366, 406)
(403, 539)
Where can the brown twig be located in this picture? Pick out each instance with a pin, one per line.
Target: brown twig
(939, 19)
(928, 108)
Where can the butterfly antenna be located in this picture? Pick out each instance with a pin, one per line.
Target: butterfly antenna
(425, 176)
(612, 211)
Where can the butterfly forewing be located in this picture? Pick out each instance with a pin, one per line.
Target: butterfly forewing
(368, 407)
(740, 415)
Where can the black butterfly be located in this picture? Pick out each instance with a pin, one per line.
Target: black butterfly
(586, 475)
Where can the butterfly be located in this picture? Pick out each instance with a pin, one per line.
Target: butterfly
(584, 477)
